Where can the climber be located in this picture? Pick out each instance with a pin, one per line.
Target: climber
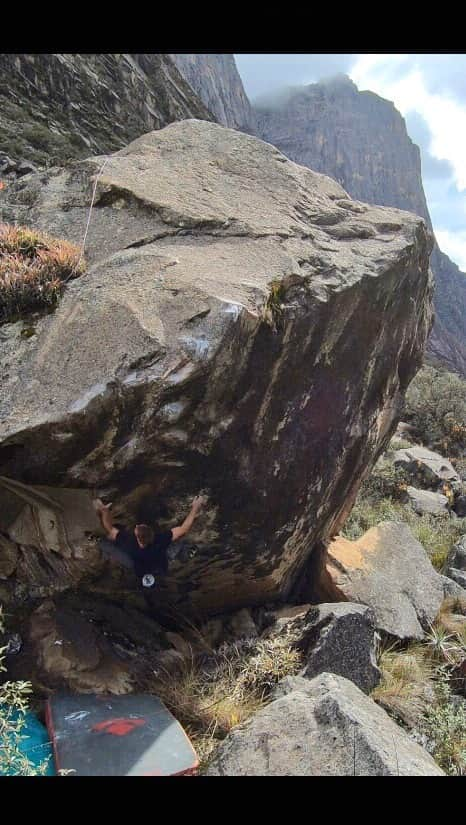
(146, 549)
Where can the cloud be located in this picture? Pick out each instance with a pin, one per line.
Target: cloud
(430, 92)
(400, 78)
(454, 244)
(266, 73)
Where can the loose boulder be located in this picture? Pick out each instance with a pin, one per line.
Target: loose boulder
(425, 501)
(226, 335)
(427, 467)
(455, 565)
(322, 727)
(389, 570)
(341, 639)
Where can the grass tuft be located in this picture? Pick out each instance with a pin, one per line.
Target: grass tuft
(33, 270)
(212, 695)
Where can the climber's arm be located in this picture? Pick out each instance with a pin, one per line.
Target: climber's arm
(103, 511)
(185, 527)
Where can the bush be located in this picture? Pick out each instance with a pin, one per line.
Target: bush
(13, 706)
(33, 270)
(436, 406)
(445, 725)
(385, 481)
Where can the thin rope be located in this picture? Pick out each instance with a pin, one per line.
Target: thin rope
(88, 220)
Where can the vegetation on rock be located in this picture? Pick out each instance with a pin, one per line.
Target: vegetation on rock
(34, 269)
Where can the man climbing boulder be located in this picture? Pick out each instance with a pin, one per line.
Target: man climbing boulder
(146, 549)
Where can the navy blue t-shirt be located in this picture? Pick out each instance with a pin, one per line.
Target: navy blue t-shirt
(150, 559)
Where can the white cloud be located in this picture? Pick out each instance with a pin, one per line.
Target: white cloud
(454, 244)
(402, 79)
(445, 115)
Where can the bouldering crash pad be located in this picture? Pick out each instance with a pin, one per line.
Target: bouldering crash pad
(129, 735)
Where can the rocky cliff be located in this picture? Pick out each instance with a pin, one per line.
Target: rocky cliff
(243, 327)
(215, 79)
(360, 139)
(59, 106)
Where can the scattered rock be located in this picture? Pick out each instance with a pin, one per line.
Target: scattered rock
(460, 506)
(341, 639)
(71, 653)
(389, 570)
(452, 588)
(425, 501)
(242, 625)
(323, 727)
(425, 466)
(455, 565)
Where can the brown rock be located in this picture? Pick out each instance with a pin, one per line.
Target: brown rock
(69, 652)
(388, 570)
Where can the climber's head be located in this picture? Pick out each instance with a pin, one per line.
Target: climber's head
(144, 534)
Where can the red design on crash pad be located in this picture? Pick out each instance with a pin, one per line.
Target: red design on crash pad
(118, 727)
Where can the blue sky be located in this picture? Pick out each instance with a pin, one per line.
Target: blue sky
(430, 92)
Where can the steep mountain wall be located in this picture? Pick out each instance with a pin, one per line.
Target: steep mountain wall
(59, 106)
(215, 79)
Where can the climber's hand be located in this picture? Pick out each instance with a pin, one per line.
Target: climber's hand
(198, 503)
(100, 506)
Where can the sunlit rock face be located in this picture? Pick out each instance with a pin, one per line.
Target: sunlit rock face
(243, 328)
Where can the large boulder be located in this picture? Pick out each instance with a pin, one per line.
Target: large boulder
(227, 335)
(389, 570)
(89, 646)
(322, 727)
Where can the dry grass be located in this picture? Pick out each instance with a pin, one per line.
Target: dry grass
(416, 686)
(405, 689)
(33, 270)
(212, 695)
(452, 618)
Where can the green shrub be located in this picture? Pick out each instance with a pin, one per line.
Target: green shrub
(436, 406)
(385, 481)
(33, 270)
(445, 725)
(13, 706)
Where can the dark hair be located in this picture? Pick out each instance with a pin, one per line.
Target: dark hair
(144, 533)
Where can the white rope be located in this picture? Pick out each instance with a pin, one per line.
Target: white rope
(88, 220)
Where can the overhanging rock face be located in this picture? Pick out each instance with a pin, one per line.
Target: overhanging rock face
(243, 327)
